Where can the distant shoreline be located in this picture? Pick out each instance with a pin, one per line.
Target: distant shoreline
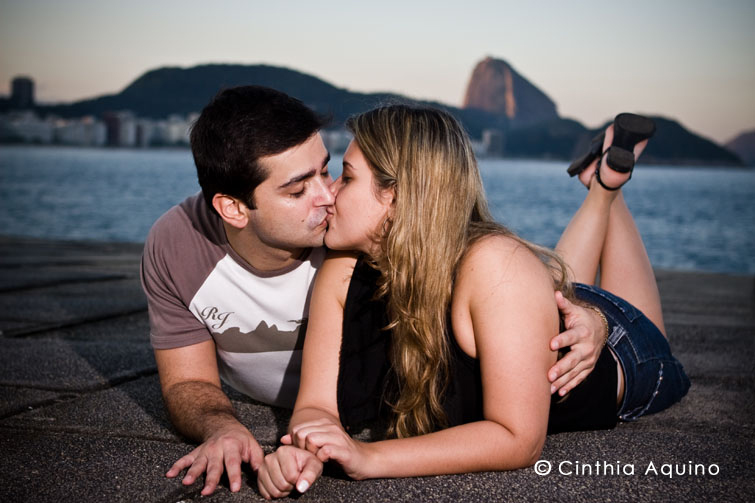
(642, 163)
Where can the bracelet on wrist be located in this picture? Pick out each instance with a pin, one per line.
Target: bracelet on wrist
(605, 323)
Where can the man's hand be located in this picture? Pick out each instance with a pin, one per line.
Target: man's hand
(228, 447)
(200, 411)
(286, 468)
(585, 334)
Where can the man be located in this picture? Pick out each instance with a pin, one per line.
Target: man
(228, 274)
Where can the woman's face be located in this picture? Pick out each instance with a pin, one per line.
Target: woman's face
(360, 210)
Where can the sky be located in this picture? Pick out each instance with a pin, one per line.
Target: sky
(692, 61)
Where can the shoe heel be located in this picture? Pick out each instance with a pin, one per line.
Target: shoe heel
(619, 159)
(631, 129)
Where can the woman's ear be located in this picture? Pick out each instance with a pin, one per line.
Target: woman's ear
(231, 210)
(390, 195)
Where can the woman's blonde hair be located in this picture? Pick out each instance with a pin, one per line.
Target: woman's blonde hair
(425, 156)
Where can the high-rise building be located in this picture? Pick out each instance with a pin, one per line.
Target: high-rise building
(494, 142)
(22, 93)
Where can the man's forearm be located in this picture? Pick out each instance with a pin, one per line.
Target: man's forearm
(199, 409)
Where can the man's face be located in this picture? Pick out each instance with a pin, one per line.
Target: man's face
(292, 203)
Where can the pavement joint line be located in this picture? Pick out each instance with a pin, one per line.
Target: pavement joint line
(53, 284)
(111, 383)
(39, 329)
(99, 263)
(72, 430)
(95, 432)
(38, 405)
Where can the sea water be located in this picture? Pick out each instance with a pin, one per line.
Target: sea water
(690, 218)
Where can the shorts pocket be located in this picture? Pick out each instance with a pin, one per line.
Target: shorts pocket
(647, 386)
(659, 385)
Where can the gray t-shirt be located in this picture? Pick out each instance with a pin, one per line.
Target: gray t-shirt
(198, 288)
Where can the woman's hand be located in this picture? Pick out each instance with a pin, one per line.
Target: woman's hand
(286, 468)
(329, 441)
(585, 334)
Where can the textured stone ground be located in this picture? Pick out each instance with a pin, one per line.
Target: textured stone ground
(81, 418)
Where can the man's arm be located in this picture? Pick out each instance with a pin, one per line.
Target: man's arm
(585, 335)
(200, 410)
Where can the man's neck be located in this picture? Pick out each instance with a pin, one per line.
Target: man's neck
(259, 255)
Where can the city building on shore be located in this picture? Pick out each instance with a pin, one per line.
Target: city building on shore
(21, 123)
(22, 93)
(115, 129)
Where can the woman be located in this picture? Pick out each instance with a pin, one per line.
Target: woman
(441, 323)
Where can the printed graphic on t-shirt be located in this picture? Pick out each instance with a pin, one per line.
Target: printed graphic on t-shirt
(214, 318)
(262, 339)
(246, 314)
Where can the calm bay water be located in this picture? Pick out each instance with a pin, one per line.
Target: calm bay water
(690, 218)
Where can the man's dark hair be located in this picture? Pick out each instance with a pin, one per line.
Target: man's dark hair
(236, 128)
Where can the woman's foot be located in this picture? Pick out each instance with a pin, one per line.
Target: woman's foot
(619, 152)
(594, 152)
(609, 178)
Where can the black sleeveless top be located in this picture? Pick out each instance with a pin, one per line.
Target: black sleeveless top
(366, 383)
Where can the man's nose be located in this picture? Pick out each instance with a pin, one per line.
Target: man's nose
(327, 195)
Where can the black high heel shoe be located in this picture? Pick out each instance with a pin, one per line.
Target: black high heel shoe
(596, 148)
(628, 131)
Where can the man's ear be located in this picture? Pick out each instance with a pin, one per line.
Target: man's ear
(231, 210)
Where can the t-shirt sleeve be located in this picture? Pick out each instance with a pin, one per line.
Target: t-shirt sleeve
(163, 276)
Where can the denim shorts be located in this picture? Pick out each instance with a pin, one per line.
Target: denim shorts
(653, 379)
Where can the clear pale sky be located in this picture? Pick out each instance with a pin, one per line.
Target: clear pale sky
(693, 60)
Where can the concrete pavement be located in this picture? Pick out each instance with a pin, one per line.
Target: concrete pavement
(81, 417)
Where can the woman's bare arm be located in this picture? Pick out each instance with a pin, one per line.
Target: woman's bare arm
(290, 467)
(505, 295)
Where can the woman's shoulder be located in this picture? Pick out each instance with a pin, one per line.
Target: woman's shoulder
(335, 273)
(500, 254)
(501, 265)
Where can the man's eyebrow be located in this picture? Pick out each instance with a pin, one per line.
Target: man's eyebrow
(304, 176)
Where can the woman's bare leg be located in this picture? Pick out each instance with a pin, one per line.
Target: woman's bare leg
(625, 268)
(582, 242)
(603, 234)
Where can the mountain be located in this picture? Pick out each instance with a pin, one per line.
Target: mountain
(744, 146)
(497, 88)
(568, 139)
(530, 125)
(170, 90)
(672, 143)
(552, 139)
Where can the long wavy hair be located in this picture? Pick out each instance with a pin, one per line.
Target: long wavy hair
(440, 209)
